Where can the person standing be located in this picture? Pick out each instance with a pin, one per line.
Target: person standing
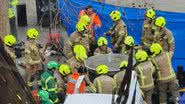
(118, 31)
(12, 18)
(33, 57)
(166, 78)
(147, 37)
(163, 36)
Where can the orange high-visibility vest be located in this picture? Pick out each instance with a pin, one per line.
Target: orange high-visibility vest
(72, 81)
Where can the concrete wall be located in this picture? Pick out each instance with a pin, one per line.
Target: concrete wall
(165, 5)
(31, 11)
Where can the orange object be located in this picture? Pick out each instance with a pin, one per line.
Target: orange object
(35, 96)
(95, 20)
(72, 82)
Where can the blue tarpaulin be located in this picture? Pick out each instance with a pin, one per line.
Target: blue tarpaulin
(133, 17)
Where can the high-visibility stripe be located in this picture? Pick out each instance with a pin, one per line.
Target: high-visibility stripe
(142, 76)
(121, 32)
(99, 86)
(171, 40)
(52, 89)
(115, 77)
(70, 53)
(56, 100)
(30, 84)
(46, 82)
(146, 44)
(69, 42)
(44, 88)
(92, 88)
(51, 101)
(146, 25)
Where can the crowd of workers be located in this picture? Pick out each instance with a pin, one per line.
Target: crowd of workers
(153, 59)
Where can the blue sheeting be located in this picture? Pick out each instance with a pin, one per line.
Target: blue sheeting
(69, 10)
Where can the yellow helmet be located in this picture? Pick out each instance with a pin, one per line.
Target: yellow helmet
(155, 48)
(9, 40)
(79, 49)
(123, 64)
(141, 55)
(64, 69)
(14, 2)
(102, 41)
(80, 27)
(150, 13)
(102, 69)
(32, 33)
(129, 40)
(115, 15)
(85, 19)
(81, 56)
(160, 21)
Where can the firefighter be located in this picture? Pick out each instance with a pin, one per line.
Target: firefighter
(65, 71)
(118, 31)
(33, 58)
(128, 44)
(118, 77)
(163, 36)
(104, 84)
(95, 22)
(77, 63)
(166, 77)
(147, 37)
(10, 41)
(49, 83)
(145, 70)
(102, 47)
(12, 18)
(76, 83)
(80, 36)
(44, 97)
(54, 67)
(78, 60)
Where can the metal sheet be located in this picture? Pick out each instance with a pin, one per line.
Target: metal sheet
(111, 60)
(89, 99)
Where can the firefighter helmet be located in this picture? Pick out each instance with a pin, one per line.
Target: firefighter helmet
(129, 40)
(141, 55)
(102, 69)
(9, 40)
(64, 69)
(102, 41)
(160, 22)
(150, 13)
(52, 65)
(115, 15)
(155, 48)
(32, 33)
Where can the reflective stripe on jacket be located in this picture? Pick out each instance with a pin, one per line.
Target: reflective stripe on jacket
(145, 73)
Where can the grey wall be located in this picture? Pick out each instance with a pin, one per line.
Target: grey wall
(165, 5)
(31, 11)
